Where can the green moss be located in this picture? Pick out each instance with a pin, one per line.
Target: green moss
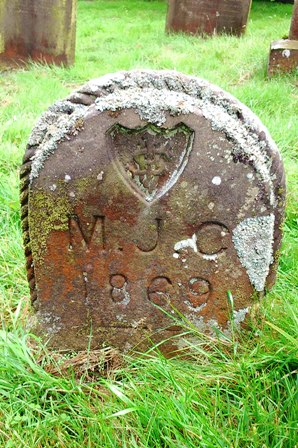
(57, 14)
(81, 186)
(47, 212)
(2, 43)
(50, 211)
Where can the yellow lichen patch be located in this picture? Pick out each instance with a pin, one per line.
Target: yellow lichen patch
(47, 212)
(2, 46)
(64, 36)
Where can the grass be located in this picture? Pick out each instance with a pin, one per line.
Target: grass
(241, 393)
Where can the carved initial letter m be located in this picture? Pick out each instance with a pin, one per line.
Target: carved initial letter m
(83, 240)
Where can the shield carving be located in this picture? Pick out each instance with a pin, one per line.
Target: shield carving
(150, 158)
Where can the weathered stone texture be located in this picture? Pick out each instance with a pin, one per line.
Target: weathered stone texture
(142, 193)
(284, 52)
(294, 23)
(208, 16)
(38, 29)
(283, 56)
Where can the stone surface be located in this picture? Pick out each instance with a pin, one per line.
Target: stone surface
(283, 56)
(293, 35)
(144, 193)
(208, 16)
(38, 29)
(284, 52)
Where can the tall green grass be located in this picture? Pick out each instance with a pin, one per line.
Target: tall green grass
(240, 392)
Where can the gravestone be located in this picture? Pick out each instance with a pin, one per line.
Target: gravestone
(38, 29)
(208, 16)
(284, 52)
(144, 194)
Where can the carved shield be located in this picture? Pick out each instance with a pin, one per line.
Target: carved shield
(151, 159)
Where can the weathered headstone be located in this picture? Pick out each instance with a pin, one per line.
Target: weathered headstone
(284, 52)
(41, 30)
(208, 16)
(293, 35)
(144, 193)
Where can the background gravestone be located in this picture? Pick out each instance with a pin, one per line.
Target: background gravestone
(208, 16)
(144, 193)
(284, 52)
(38, 29)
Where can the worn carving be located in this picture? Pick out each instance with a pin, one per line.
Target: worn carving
(212, 238)
(199, 290)
(80, 239)
(119, 291)
(151, 158)
(160, 290)
(142, 189)
(209, 241)
(149, 245)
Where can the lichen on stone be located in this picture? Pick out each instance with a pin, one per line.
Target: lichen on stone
(152, 94)
(48, 212)
(253, 241)
(240, 315)
(62, 119)
(150, 104)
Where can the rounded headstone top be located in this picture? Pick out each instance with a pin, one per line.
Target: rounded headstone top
(152, 94)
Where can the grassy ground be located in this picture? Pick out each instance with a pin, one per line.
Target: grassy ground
(241, 393)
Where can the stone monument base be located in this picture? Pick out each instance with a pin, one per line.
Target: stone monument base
(283, 56)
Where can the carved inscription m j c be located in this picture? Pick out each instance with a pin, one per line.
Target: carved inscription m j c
(209, 242)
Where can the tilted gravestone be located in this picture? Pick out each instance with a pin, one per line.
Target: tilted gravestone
(41, 30)
(143, 194)
(284, 52)
(208, 16)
